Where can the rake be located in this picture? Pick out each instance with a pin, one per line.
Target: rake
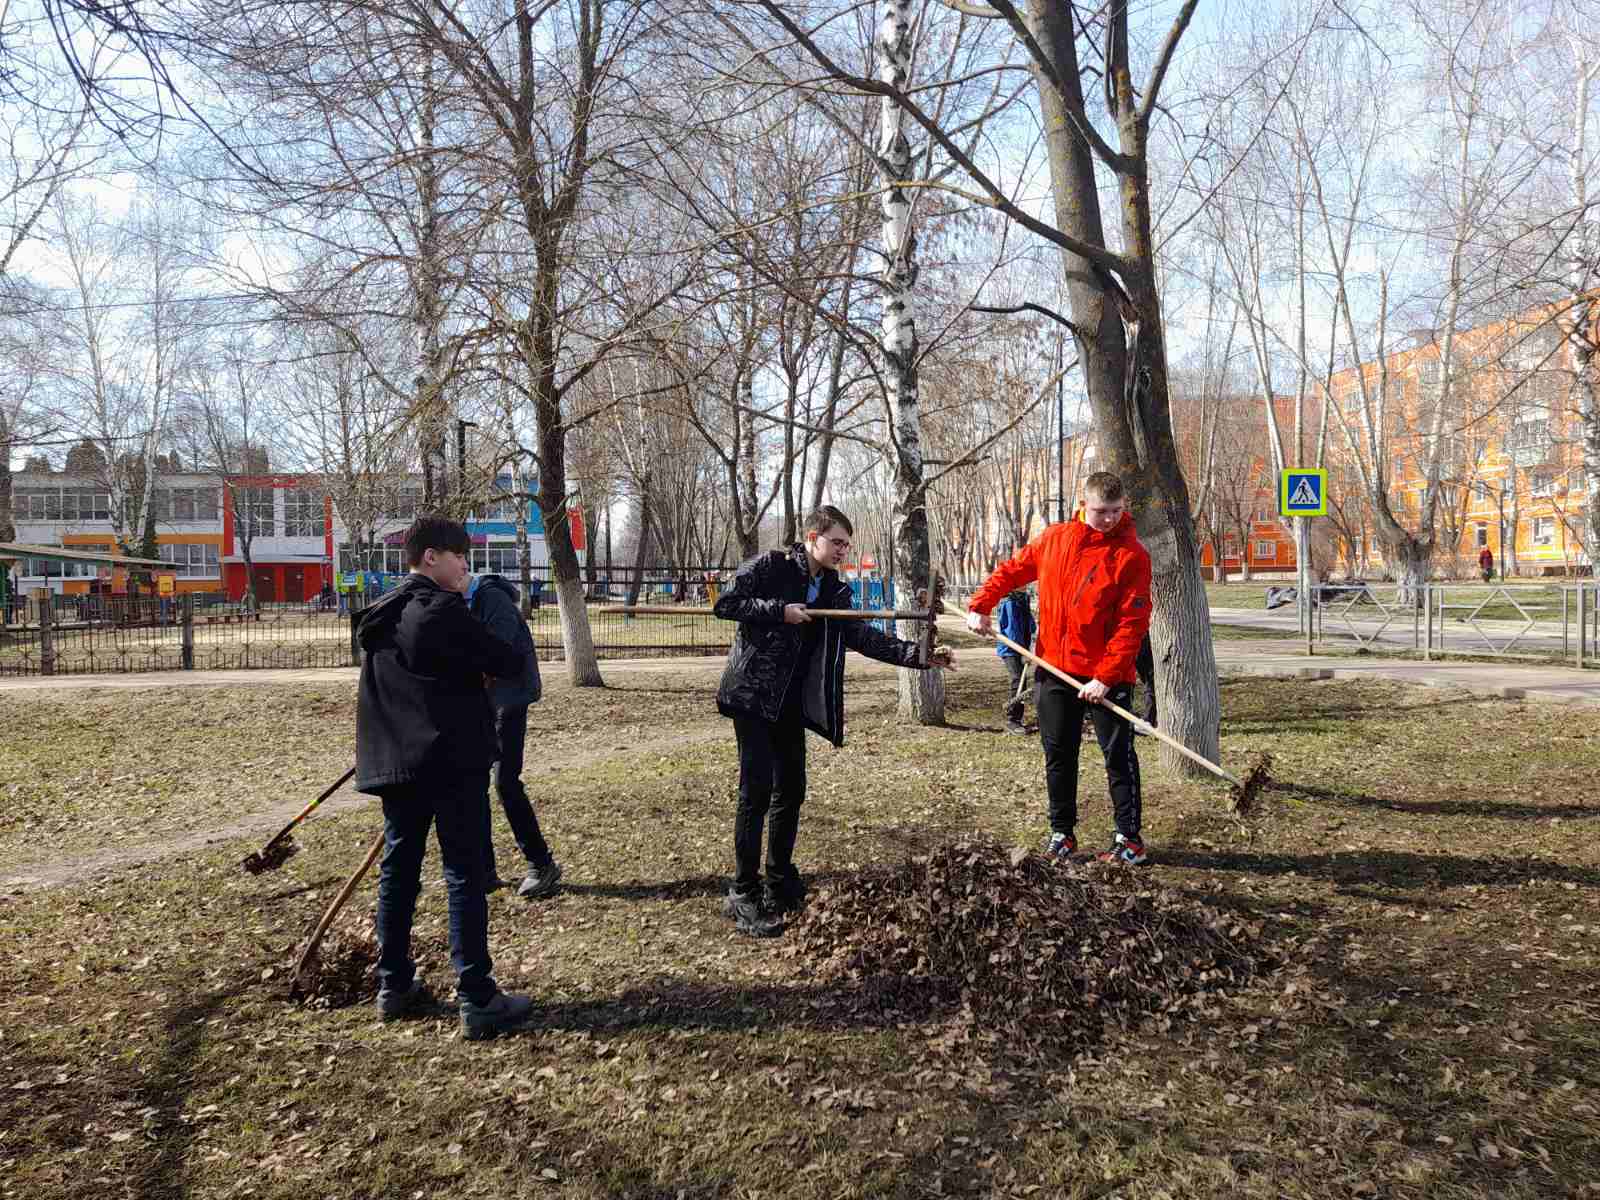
(305, 970)
(1243, 792)
(278, 850)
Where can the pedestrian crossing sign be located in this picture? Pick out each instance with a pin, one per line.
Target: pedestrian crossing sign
(1302, 493)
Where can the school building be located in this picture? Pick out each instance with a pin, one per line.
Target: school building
(297, 539)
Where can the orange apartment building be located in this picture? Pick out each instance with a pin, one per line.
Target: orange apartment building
(1511, 474)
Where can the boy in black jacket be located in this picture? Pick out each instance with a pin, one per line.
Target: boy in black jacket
(493, 600)
(424, 741)
(785, 674)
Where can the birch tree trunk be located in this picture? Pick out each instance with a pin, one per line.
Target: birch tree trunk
(921, 692)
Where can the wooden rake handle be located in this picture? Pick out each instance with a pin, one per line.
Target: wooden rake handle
(700, 610)
(306, 811)
(308, 955)
(1137, 723)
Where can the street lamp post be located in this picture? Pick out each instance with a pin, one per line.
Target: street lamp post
(461, 463)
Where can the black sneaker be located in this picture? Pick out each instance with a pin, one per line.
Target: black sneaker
(785, 894)
(1016, 727)
(750, 916)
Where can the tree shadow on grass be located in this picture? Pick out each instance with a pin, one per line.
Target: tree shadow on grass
(1391, 868)
(1498, 810)
(1302, 716)
(651, 889)
(700, 886)
(167, 1087)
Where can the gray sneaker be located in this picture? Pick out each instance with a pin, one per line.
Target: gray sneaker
(393, 1005)
(505, 1011)
(540, 882)
(750, 916)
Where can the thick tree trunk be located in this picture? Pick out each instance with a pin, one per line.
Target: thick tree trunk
(538, 350)
(1123, 357)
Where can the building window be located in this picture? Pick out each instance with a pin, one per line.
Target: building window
(402, 504)
(1267, 550)
(500, 559)
(1544, 531)
(1482, 536)
(187, 504)
(254, 510)
(1541, 483)
(388, 560)
(192, 559)
(302, 513)
(49, 568)
(85, 504)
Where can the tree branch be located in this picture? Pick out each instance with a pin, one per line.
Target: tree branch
(1094, 254)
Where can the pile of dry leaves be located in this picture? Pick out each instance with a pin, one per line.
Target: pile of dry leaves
(345, 969)
(1018, 944)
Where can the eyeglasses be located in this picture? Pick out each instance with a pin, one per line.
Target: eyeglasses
(839, 544)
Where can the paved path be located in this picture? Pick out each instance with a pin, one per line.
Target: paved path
(1565, 685)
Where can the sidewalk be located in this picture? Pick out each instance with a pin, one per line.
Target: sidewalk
(1509, 680)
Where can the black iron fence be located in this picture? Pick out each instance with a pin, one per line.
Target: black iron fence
(65, 635)
(70, 635)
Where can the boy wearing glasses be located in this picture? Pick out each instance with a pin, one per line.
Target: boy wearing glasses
(785, 674)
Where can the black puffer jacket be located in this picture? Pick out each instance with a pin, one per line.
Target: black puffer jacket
(421, 707)
(765, 657)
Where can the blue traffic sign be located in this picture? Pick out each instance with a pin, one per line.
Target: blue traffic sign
(1302, 493)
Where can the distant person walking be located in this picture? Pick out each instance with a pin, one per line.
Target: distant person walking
(1486, 564)
(1016, 622)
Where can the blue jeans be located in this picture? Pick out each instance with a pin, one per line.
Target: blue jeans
(459, 805)
(511, 725)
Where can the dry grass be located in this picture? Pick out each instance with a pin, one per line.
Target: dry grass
(1424, 873)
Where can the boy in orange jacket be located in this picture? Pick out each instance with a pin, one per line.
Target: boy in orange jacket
(1094, 610)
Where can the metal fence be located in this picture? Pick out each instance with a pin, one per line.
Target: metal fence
(71, 635)
(1556, 622)
(67, 635)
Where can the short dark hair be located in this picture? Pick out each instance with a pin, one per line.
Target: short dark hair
(434, 532)
(826, 517)
(1105, 485)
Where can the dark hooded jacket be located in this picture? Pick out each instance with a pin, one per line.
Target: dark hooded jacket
(768, 656)
(421, 708)
(495, 604)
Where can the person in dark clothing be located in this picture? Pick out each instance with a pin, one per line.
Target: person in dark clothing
(493, 600)
(785, 674)
(1486, 564)
(1015, 619)
(424, 742)
(1145, 667)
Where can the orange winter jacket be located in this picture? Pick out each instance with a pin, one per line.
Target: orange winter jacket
(1094, 597)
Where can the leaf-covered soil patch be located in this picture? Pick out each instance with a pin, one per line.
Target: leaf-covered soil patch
(1423, 873)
